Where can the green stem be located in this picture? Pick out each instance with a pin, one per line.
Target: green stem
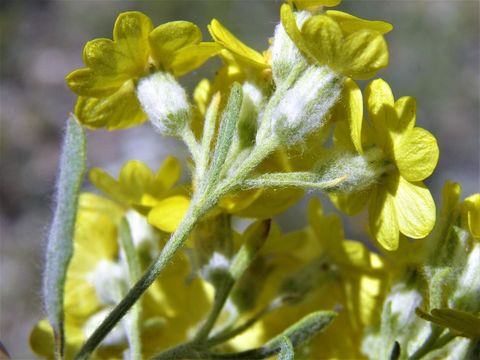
(196, 211)
(134, 271)
(192, 144)
(221, 297)
(428, 344)
(303, 180)
(227, 335)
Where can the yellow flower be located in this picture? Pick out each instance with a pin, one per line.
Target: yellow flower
(97, 279)
(346, 276)
(348, 45)
(148, 193)
(400, 202)
(107, 85)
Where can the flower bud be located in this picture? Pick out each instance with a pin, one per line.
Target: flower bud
(285, 54)
(306, 104)
(358, 172)
(253, 99)
(165, 103)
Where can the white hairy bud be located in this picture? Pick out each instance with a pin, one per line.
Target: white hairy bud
(305, 105)
(355, 172)
(285, 54)
(253, 99)
(165, 103)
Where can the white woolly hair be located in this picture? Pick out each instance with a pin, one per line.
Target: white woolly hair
(164, 101)
(254, 93)
(285, 54)
(305, 105)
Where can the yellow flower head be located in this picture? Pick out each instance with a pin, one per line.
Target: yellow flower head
(97, 279)
(148, 193)
(400, 202)
(348, 45)
(353, 282)
(107, 85)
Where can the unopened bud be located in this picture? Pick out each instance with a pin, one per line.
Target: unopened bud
(305, 105)
(253, 99)
(285, 54)
(354, 172)
(165, 103)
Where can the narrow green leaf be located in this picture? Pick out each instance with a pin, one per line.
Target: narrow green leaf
(228, 125)
(287, 352)
(60, 238)
(134, 273)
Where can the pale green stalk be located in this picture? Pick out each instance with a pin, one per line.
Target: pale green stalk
(134, 272)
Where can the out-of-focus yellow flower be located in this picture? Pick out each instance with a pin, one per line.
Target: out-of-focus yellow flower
(148, 193)
(354, 282)
(348, 45)
(312, 5)
(107, 85)
(400, 202)
(97, 278)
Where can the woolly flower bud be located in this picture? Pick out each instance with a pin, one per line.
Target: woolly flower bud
(165, 103)
(306, 104)
(285, 54)
(359, 172)
(253, 99)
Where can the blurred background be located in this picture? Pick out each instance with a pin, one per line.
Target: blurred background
(434, 52)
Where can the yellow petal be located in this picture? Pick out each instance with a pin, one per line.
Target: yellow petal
(415, 209)
(166, 176)
(107, 184)
(168, 38)
(416, 154)
(192, 57)
(352, 106)
(313, 4)
(130, 34)
(450, 197)
(86, 82)
(225, 38)
(364, 53)
(471, 206)
(168, 213)
(271, 202)
(350, 204)
(136, 178)
(120, 110)
(383, 219)
(350, 23)
(41, 339)
(290, 25)
(323, 37)
(406, 109)
(380, 102)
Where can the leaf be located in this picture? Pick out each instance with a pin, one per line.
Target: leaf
(60, 244)
(227, 129)
(287, 351)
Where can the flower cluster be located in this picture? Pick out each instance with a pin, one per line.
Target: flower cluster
(220, 278)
